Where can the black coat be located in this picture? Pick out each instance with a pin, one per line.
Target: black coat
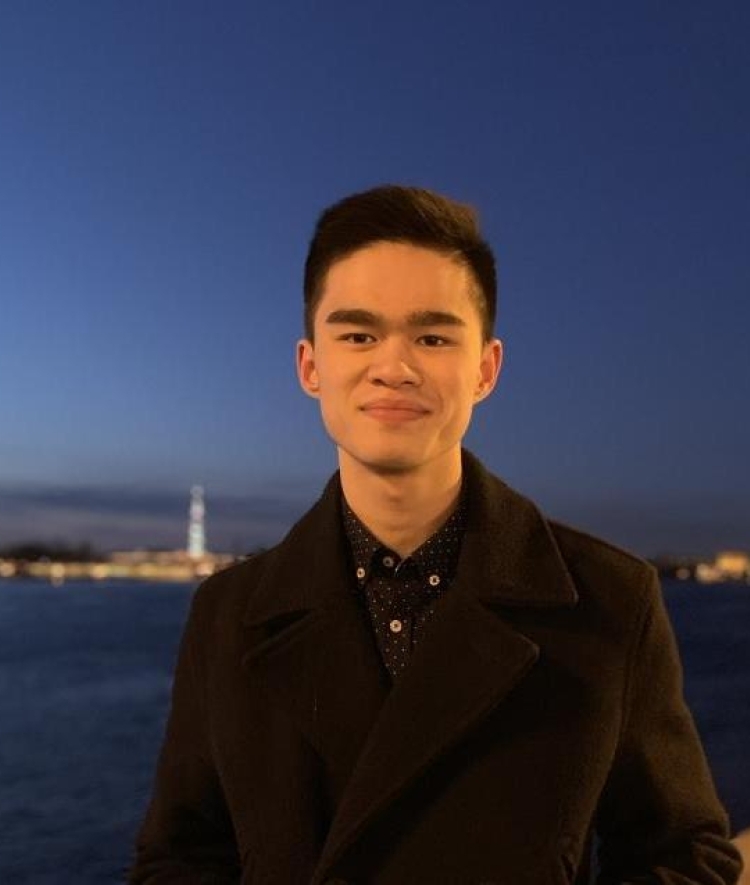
(543, 706)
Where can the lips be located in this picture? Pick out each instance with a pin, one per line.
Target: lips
(394, 410)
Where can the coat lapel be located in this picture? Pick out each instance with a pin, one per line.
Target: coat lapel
(308, 640)
(312, 644)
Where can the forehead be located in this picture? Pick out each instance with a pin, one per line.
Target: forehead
(399, 278)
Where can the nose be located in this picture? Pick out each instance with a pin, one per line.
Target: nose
(394, 364)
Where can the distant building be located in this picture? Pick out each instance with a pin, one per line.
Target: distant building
(733, 564)
(186, 564)
(730, 565)
(193, 562)
(196, 543)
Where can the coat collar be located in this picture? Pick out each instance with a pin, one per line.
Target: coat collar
(509, 555)
(310, 643)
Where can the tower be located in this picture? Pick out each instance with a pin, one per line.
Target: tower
(196, 546)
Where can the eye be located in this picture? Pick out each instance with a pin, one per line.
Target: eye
(434, 340)
(357, 338)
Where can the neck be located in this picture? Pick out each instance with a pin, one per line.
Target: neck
(402, 509)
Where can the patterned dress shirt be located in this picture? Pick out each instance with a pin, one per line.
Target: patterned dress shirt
(401, 594)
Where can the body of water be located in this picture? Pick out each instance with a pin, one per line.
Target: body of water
(85, 672)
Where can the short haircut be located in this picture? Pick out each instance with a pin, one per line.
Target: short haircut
(399, 214)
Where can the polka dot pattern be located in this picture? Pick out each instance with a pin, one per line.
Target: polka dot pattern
(401, 594)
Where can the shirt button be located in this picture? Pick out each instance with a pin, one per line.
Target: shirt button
(361, 573)
(434, 580)
(388, 561)
(396, 626)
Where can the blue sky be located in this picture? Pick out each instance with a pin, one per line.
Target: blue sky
(161, 168)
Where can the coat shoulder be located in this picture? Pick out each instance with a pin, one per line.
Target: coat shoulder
(221, 598)
(603, 570)
(576, 545)
(545, 548)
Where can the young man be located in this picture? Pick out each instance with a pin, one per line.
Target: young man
(426, 682)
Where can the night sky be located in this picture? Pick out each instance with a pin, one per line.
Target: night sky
(161, 168)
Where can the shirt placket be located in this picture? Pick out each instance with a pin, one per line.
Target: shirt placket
(397, 629)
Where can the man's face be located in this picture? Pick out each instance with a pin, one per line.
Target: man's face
(398, 360)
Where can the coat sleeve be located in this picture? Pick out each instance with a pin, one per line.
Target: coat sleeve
(187, 835)
(660, 820)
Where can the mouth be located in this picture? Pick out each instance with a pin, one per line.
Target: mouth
(394, 412)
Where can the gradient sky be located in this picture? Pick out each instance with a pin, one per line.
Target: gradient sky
(161, 168)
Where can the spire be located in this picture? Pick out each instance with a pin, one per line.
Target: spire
(196, 546)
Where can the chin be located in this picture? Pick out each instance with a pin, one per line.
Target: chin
(388, 463)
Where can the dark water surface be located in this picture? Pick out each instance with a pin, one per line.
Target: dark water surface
(85, 673)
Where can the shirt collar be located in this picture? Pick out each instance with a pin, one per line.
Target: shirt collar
(437, 555)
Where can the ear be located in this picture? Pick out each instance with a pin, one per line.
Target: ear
(489, 368)
(306, 371)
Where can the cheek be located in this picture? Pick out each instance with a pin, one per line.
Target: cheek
(328, 375)
(459, 399)
(459, 388)
(333, 399)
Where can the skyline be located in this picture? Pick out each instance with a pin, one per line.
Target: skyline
(161, 169)
(119, 519)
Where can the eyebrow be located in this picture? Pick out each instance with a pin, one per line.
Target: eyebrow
(418, 318)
